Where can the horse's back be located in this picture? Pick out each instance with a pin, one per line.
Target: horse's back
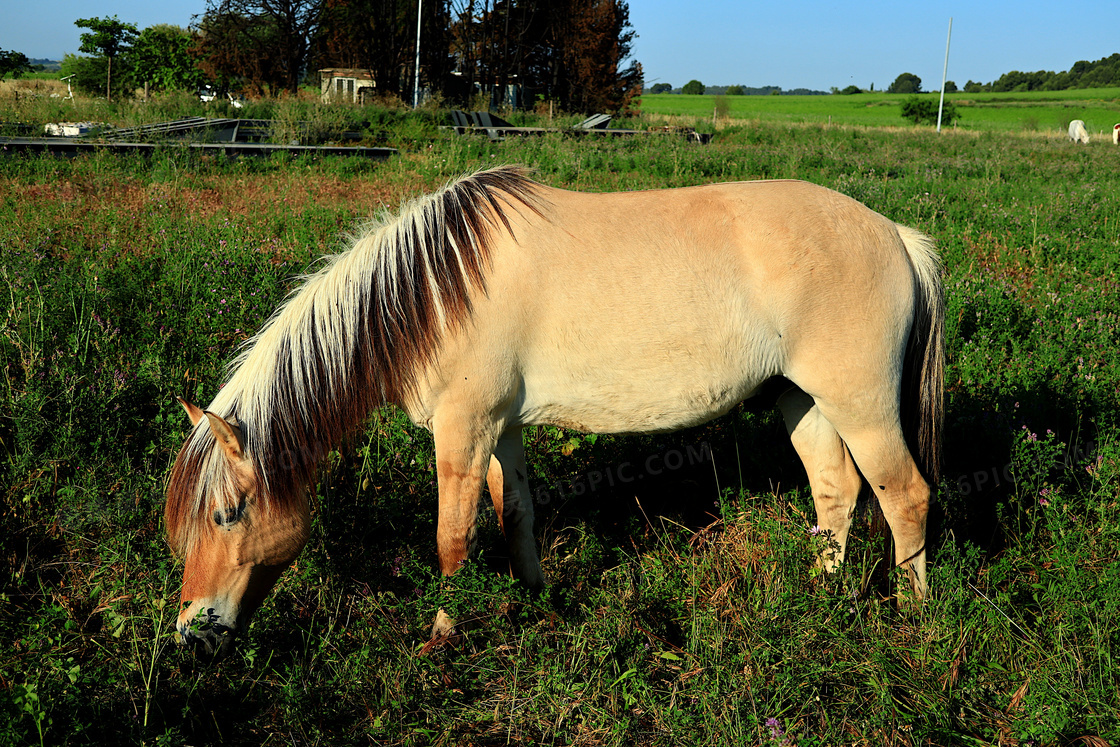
(661, 309)
(713, 263)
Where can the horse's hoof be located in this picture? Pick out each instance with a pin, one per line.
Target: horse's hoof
(444, 626)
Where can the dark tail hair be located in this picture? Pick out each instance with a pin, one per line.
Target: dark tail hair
(923, 397)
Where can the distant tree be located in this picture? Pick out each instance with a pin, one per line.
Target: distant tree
(693, 88)
(575, 53)
(735, 91)
(1102, 73)
(661, 88)
(950, 87)
(234, 51)
(850, 90)
(380, 36)
(920, 111)
(107, 37)
(906, 83)
(1019, 81)
(593, 41)
(88, 72)
(15, 63)
(260, 42)
(161, 57)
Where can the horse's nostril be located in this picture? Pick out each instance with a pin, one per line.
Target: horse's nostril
(213, 641)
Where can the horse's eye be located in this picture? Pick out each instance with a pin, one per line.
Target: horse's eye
(228, 516)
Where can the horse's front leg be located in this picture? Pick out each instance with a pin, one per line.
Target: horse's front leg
(509, 490)
(462, 457)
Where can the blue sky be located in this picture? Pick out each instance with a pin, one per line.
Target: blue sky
(793, 44)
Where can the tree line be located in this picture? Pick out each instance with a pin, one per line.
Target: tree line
(1102, 73)
(574, 54)
(696, 88)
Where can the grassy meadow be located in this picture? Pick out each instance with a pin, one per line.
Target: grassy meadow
(1035, 111)
(683, 608)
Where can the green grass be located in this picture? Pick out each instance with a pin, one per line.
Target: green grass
(684, 611)
(1034, 111)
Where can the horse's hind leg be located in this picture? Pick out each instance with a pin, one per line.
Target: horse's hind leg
(509, 490)
(833, 477)
(879, 450)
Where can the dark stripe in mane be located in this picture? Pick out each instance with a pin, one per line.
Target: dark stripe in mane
(351, 338)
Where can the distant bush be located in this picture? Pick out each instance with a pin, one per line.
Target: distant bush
(14, 63)
(906, 83)
(850, 90)
(693, 88)
(89, 73)
(924, 111)
(735, 91)
(661, 88)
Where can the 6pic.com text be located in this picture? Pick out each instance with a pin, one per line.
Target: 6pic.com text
(625, 473)
(992, 477)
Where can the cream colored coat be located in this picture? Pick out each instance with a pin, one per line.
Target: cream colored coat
(608, 313)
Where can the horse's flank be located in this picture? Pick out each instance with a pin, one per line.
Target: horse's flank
(350, 339)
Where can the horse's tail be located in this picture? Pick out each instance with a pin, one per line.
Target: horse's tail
(923, 406)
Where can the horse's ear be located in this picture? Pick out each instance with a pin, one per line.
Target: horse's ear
(228, 437)
(193, 412)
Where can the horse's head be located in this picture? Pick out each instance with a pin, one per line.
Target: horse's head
(234, 543)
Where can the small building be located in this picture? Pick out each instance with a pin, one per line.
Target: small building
(346, 85)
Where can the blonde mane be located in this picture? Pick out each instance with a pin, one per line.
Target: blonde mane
(351, 338)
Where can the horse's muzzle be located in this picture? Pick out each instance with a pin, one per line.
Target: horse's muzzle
(210, 639)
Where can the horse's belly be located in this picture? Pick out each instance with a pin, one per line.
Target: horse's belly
(635, 405)
(647, 374)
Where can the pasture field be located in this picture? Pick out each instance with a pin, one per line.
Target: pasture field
(1035, 111)
(683, 607)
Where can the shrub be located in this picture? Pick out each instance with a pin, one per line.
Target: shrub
(924, 111)
(693, 88)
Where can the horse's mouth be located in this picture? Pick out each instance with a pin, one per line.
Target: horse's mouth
(214, 643)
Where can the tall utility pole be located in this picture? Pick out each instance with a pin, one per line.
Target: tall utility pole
(944, 72)
(416, 81)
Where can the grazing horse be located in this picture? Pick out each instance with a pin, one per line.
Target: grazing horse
(1077, 132)
(499, 303)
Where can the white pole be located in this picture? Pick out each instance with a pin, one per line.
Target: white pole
(944, 72)
(416, 82)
